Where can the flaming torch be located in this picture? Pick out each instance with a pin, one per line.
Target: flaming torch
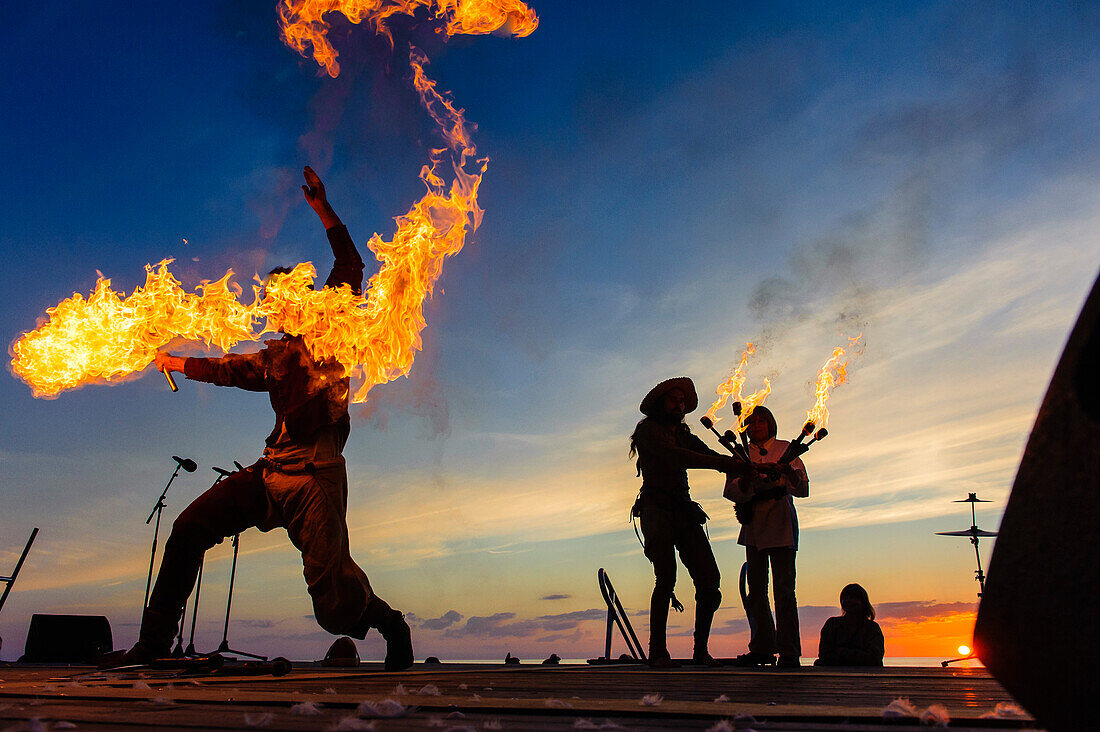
(727, 440)
(742, 406)
(832, 374)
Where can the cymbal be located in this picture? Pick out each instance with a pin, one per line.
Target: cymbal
(972, 531)
(972, 498)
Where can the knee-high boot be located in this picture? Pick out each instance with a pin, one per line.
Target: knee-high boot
(658, 624)
(703, 619)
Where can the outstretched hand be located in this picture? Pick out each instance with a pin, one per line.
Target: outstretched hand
(314, 190)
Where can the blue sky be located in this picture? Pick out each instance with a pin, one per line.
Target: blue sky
(662, 189)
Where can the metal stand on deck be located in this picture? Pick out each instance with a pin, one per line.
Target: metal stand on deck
(617, 616)
(974, 533)
(9, 581)
(179, 651)
(181, 463)
(224, 647)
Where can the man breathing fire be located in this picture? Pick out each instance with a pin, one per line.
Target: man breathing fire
(300, 483)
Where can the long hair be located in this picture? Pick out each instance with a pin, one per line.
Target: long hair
(857, 593)
(634, 445)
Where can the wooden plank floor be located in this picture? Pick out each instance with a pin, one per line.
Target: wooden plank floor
(525, 697)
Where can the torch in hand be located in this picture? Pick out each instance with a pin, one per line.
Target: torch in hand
(797, 448)
(744, 440)
(167, 363)
(727, 440)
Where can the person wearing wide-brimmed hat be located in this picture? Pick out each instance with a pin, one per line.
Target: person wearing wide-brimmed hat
(670, 520)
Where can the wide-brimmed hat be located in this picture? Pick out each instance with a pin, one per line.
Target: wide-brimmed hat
(683, 383)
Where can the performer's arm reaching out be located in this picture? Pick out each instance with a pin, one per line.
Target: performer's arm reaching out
(242, 370)
(314, 191)
(347, 267)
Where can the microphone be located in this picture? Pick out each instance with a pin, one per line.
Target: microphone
(222, 472)
(185, 463)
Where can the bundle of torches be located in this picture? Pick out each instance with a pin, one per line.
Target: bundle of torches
(107, 336)
(832, 374)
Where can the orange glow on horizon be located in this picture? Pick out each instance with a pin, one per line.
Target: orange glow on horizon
(931, 637)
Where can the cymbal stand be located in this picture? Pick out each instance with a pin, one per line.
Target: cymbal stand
(973, 533)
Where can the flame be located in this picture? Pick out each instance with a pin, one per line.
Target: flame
(751, 402)
(107, 336)
(303, 26)
(375, 336)
(831, 375)
(731, 388)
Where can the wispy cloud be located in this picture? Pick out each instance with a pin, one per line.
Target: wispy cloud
(446, 620)
(506, 625)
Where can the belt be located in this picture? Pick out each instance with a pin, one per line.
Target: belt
(292, 467)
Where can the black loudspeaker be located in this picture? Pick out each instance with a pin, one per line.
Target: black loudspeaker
(67, 639)
(1036, 628)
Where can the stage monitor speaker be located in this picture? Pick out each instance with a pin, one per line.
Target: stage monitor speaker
(67, 639)
(1036, 627)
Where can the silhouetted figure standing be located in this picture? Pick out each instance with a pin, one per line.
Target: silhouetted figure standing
(666, 448)
(854, 638)
(300, 483)
(770, 537)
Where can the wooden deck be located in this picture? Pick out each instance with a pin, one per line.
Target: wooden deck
(525, 697)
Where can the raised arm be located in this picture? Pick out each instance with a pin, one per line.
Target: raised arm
(314, 191)
(347, 268)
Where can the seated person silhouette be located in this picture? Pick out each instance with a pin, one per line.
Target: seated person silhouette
(854, 638)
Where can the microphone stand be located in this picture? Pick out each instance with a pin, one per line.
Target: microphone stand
(157, 510)
(224, 647)
(190, 651)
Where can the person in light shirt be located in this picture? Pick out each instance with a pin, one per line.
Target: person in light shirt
(770, 537)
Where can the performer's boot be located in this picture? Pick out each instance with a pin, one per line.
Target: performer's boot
(658, 622)
(701, 656)
(154, 641)
(703, 618)
(391, 624)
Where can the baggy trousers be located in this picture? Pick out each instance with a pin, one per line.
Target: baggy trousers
(667, 531)
(781, 635)
(311, 506)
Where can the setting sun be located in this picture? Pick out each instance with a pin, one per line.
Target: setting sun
(964, 650)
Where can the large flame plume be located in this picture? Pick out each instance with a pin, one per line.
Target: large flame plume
(304, 28)
(832, 374)
(108, 336)
(730, 389)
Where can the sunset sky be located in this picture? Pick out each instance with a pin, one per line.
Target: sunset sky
(665, 184)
